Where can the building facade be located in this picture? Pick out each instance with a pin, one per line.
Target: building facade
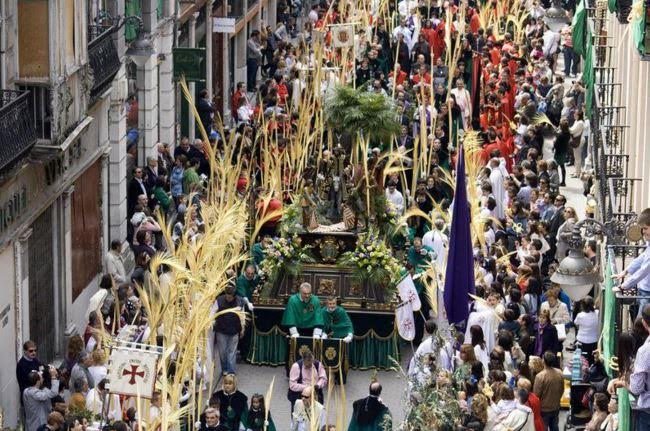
(72, 103)
(632, 73)
(229, 50)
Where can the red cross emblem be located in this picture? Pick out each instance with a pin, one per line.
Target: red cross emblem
(133, 373)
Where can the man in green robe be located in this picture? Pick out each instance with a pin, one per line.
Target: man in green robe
(247, 282)
(303, 314)
(370, 413)
(337, 323)
(419, 255)
(257, 251)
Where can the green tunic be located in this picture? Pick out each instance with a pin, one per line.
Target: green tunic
(337, 323)
(255, 421)
(246, 287)
(302, 314)
(419, 261)
(383, 422)
(257, 254)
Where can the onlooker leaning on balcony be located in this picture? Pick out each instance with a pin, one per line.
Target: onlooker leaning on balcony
(638, 271)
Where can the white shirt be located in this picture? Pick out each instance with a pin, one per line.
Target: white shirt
(551, 42)
(437, 241)
(396, 199)
(94, 402)
(404, 31)
(482, 356)
(587, 324)
(99, 372)
(244, 113)
(577, 128)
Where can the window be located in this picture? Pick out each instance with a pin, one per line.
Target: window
(33, 46)
(69, 11)
(237, 8)
(40, 108)
(86, 229)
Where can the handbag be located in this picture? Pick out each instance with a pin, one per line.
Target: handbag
(561, 331)
(575, 141)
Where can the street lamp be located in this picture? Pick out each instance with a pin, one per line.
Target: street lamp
(556, 17)
(141, 49)
(576, 274)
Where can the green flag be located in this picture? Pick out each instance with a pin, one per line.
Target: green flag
(611, 5)
(588, 74)
(579, 28)
(624, 409)
(638, 29)
(609, 319)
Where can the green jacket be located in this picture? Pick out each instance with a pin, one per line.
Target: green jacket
(190, 177)
(163, 198)
(383, 420)
(246, 287)
(303, 314)
(337, 323)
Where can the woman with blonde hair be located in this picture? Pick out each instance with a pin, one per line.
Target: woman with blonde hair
(98, 369)
(232, 403)
(477, 419)
(466, 355)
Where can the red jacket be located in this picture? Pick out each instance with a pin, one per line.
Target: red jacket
(536, 406)
(401, 77)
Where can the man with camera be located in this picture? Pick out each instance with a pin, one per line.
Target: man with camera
(37, 398)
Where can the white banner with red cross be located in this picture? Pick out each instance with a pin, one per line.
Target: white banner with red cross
(132, 371)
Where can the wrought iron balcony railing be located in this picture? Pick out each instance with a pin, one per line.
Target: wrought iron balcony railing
(103, 57)
(17, 132)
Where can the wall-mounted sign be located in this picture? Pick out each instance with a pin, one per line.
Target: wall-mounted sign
(13, 208)
(223, 25)
(189, 62)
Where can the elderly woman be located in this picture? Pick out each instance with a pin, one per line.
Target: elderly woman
(564, 233)
(558, 311)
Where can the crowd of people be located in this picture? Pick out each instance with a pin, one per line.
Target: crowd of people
(512, 355)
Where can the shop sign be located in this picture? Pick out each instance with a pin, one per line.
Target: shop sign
(12, 209)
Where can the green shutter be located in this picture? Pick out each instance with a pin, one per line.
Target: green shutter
(132, 8)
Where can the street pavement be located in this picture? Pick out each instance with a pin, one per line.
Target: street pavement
(256, 379)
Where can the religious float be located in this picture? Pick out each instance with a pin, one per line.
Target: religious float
(343, 260)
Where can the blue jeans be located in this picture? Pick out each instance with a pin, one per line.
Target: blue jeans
(571, 60)
(642, 302)
(251, 73)
(551, 420)
(642, 420)
(227, 348)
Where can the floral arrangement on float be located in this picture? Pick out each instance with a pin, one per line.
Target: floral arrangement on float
(373, 262)
(285, 256)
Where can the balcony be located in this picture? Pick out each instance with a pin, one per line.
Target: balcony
(17, 132)
(103, 58)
